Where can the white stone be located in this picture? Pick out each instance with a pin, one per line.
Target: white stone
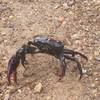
(7, 97)
(84, 71)
(65, 6)
(19, 91)
(38, 88)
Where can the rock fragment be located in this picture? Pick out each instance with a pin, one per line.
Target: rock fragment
(38, 88)
(7, 97)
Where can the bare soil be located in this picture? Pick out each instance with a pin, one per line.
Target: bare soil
(76, 23)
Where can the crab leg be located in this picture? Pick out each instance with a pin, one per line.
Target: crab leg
(68, 51)
(23, 60)
(30, 43)
(15, 76)
(78, 64)
(8, 76)
(62, 65)
(12, 67)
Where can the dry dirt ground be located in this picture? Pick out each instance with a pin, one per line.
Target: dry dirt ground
(76, 22)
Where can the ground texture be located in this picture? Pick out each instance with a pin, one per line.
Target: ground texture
(76, 23)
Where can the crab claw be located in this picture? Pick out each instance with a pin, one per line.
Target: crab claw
(12, 68)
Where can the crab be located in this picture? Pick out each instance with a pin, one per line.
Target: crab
(56, 48)
(14, 61)
(43, 44)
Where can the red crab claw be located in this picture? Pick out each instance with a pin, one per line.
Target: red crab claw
(12, 68)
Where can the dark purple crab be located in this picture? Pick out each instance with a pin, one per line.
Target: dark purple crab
(19, 56)
(56, 48)
(43, 44)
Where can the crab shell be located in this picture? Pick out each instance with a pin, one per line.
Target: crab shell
(48, 44)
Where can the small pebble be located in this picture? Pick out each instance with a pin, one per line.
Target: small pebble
(19, 91)
(93, 86)
(84, 71)
(65, 6)
(11, 16)
(38, 88)
(97, 58)
(96, 53)
(5, 41)
(56, 7)
(1, 94)
(7, 97)
(48, 98)
(96, 79)
(61, 19)
(3, 33)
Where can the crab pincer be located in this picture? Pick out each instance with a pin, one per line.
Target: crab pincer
(12, 68)
(16, 59)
